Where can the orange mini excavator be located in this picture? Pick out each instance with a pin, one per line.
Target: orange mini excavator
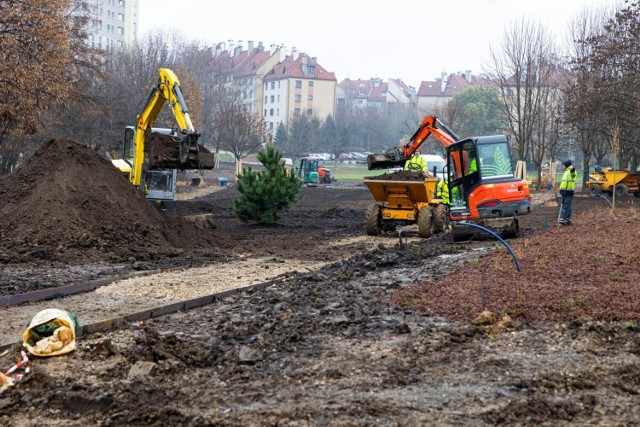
(482, 185)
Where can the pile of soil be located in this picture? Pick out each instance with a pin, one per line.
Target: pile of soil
(67, 203)
(401, 175)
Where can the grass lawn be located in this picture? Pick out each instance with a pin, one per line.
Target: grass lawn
(352, 172)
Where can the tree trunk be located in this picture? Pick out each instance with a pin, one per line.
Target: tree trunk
(238, 168)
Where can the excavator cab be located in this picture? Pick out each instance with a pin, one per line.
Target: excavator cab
(157, 184)
(481, 180)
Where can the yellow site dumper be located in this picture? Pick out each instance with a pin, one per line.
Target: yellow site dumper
(608, 180)
(405, 202)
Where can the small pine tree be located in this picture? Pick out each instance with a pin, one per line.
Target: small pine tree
(266, 193)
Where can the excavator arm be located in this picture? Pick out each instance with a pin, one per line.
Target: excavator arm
(397, 156)
(166, 90)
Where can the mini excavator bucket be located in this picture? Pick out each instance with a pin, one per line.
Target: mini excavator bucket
(391, 159)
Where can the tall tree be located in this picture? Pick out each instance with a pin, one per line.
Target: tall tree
(43, 64)
(241, 132)
(616, 63)
(479, 113)
(583, 98)
(521, 74)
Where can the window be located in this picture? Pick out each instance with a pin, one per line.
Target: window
(266, 86)
(309, 97)
(311, 69)
(298, 84)
(121, 3)
(296, 111)
(309, 112)
(265, 99)
(273, 99)
(121, 17)
(495, 160)
(310, 83)
(297, 98)
(271, 112)
(265, 112)
(120, 30)
(273, 85)
(278, 112)
(278, 98)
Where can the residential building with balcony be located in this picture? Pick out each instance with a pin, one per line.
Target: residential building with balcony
(111, 24)
(297, 85)
(433, 95)
(374, 93)
(249, 68)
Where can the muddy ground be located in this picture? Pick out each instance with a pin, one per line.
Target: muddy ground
(357, 341)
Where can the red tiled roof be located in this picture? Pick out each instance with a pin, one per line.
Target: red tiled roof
(455, 84)
(294, 69)
(250, 62)
(364, 89)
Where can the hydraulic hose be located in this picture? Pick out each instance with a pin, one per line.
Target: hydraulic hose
(515, 259)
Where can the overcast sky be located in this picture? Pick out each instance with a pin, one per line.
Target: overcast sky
(413, 41)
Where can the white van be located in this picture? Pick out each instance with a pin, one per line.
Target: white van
(437, 162)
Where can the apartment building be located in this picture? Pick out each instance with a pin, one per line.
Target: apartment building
(374, 93)
(296, 85)
(112, 24)
(433, 95)
(249, 67)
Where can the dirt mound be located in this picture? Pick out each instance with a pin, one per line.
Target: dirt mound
(400, 175)
(68, 203)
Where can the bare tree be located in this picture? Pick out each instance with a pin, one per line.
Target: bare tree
(583, 96)
(241, 132)
(301, 132)
(521, 75)
(616, 69)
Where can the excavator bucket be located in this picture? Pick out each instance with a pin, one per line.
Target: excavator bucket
(169, 152)
(391, 159)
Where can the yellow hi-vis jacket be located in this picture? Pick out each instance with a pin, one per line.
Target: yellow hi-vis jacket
(443, 191)
(416, 163)
(568, 179)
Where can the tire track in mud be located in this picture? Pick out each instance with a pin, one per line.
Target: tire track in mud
(136, 298)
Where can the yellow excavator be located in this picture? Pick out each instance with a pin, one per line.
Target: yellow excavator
(151, 156)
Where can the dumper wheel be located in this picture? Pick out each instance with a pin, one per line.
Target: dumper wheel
(595, 189)
(372, 220)
(621, 190)
(426, 226)
(440, 218)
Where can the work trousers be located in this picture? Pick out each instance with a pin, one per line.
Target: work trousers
(567, 201)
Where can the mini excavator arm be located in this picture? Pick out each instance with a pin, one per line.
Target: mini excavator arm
(395, 157)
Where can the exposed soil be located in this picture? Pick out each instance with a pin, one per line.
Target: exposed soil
(400, 175)
(376, 330)
(65, 204)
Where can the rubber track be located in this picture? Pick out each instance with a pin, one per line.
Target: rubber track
(123, 321)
